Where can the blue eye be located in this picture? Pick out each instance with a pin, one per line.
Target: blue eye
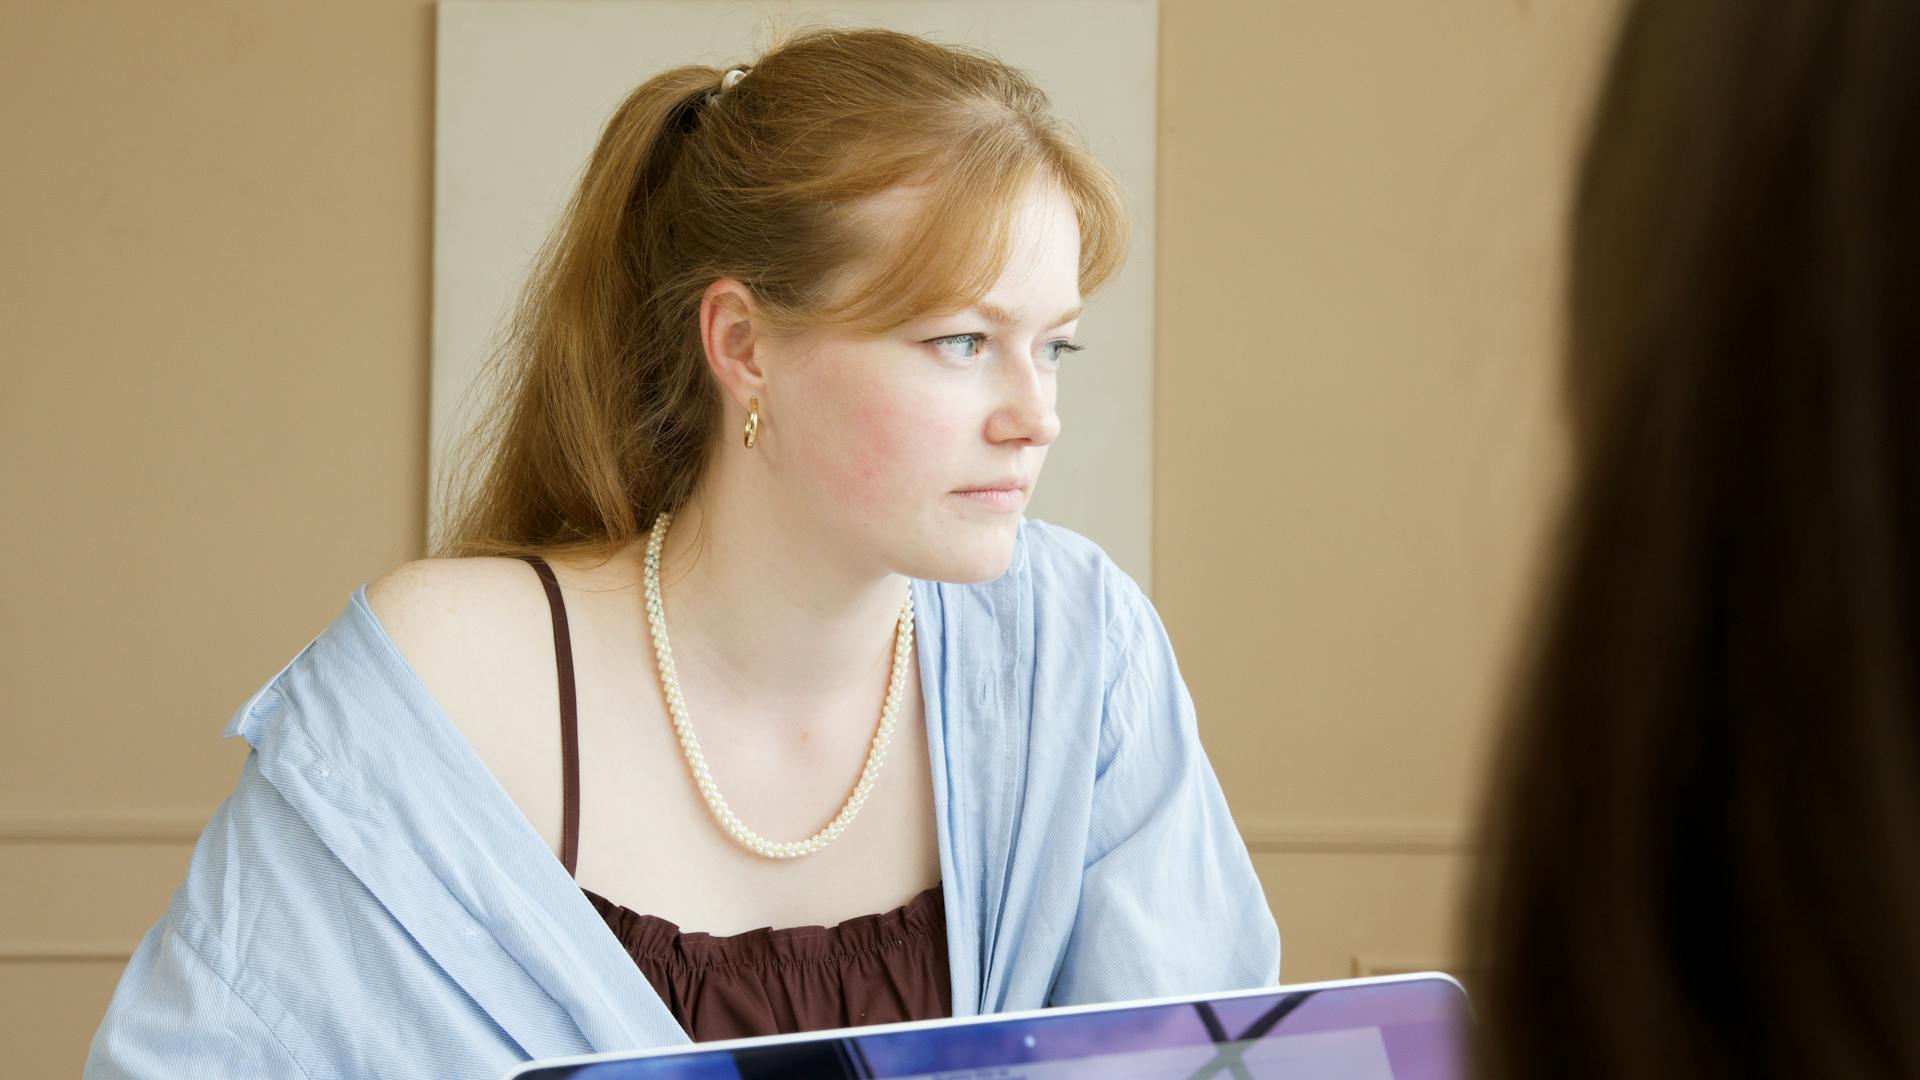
(1059, 349)
(968, 347)
(960, 346)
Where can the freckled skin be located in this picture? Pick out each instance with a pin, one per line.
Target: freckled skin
(880, 432)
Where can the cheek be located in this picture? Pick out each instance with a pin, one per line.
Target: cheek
(887, 446)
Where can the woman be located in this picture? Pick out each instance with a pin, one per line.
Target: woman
(1706, 839)
(744, 630)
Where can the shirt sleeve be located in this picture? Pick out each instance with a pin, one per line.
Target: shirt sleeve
(1170, 903)
(174, 1015)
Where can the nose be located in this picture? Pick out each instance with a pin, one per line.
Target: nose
(1025, 412)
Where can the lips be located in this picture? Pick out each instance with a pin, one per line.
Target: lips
(1004, 494)
(1008, 484)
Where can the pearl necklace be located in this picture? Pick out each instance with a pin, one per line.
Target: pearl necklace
(690, 745)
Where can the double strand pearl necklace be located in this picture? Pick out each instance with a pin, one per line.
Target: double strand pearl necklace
(690, 745)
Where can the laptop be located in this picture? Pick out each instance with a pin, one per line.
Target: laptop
(1396, 1027)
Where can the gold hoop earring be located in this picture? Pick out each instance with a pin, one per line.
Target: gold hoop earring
(753, 421)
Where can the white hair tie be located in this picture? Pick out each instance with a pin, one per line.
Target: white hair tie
(731, 77)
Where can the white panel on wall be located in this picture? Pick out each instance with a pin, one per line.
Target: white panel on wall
(525, 85)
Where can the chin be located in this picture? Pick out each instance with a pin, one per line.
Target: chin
(976, 556)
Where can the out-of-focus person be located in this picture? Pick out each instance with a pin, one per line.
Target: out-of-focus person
(1703, 837)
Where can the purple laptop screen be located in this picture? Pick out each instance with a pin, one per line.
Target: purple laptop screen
(1405, 1030)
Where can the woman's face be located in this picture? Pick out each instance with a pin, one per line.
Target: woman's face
(919, 449)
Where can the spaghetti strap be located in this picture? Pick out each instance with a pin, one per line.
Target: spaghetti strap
(569, 718)
(872, 969)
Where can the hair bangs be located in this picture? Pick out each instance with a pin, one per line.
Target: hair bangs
(939, 242)
(933, 246)
(1100, 206)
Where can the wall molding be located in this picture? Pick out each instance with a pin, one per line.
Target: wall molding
(1366, 965)
(1263, 836)
(64, 952)
(26, 827)
(1295, 836)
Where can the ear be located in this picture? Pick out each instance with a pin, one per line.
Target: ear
(730, 331)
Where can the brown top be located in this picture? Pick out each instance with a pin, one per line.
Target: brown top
(875, 969)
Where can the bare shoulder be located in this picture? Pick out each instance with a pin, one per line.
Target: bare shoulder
(478, 633)
(471, 618)
(434, 604)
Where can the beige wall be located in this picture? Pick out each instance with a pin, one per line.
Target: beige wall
(214, 235)
(214, 225)
(1356, 436)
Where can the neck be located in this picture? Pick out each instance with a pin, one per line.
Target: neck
(775, 626)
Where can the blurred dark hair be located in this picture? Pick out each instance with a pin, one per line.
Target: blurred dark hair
(1703, 839)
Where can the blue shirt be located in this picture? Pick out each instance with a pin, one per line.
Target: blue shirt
(369, 902)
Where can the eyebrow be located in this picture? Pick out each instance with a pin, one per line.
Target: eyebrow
(996, 313)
